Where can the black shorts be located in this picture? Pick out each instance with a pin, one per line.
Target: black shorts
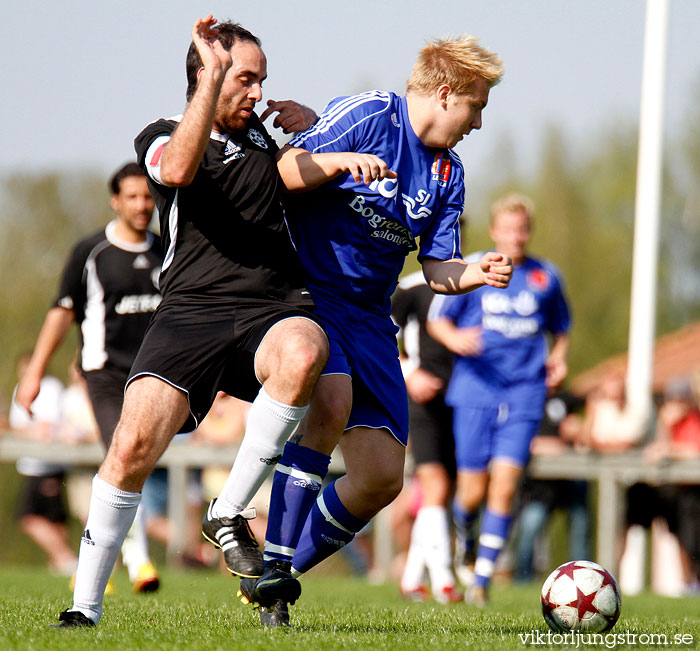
(106, 391)
(43, 496)
(205, 349)
(430, 433)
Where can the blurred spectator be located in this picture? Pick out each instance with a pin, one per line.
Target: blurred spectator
(610, 424)
(155, 512)
(670, 512)
(41, 507)
(560, 432)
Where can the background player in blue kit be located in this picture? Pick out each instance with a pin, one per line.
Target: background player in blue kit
(502, 373)
(381, 175)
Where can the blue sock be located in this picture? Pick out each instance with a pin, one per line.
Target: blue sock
(492, 538)
(329, 527)
(465, 529)
(295, 487)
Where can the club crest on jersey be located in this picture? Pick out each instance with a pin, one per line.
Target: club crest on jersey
(441, 169)
(141, 262)
(232, 151)
(538, 279)
(415, 207)
(257, 138)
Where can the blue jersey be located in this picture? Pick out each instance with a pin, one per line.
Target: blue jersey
(514, 321)
(352, 238)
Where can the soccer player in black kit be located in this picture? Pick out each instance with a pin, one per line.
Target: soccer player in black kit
(109, 288)
(234, 311)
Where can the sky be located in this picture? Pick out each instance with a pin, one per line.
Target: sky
(81, 79)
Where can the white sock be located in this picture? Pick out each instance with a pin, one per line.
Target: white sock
(435, 537)
(414, 571)
(270, 424)
(135, 545)
(633, 561)
(111, 513)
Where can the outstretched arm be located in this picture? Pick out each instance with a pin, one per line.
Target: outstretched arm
(56, 325)
(301, 170)
(183, 153)
(458, 277)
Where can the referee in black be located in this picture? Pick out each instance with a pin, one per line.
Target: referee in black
(235, 313)
(109, 288)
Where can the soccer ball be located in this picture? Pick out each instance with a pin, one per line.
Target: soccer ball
(580, 596)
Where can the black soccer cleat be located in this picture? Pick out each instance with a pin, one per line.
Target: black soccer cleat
(276, 584)
(72, 619)
(235, 539)
(275, 616)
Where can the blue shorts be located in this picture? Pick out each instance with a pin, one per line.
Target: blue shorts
(483, 434)
(363, 346)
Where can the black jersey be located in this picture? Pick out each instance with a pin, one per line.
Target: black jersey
(224, 235)
(409, 309)
(112, 287)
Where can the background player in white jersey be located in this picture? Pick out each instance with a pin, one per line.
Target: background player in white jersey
(427, 366)
(502, 373)
(109, 288)
(234, 314)
(381, 175)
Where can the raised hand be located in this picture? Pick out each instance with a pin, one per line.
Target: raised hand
(210, 50)
(293, 117)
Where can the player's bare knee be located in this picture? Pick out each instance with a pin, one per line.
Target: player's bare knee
(501, 499)
(381, 488)
(302, 359)
(129, 456)
(332, 412)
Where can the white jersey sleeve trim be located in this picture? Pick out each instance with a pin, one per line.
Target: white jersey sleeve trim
(172, 232)
(338, 112)
(93, 327)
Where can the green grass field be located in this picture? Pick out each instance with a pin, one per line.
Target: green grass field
(199, 610)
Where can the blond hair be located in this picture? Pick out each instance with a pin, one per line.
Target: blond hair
(513, 202)
(457, 62)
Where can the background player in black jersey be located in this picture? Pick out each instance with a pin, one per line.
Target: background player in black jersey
(234, 312)
(426, 365)
(109, 288)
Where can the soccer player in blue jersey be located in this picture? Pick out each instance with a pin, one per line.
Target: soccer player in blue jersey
(503, 371)
(375, 174)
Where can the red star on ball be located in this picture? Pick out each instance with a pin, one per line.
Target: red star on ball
(584, 603)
